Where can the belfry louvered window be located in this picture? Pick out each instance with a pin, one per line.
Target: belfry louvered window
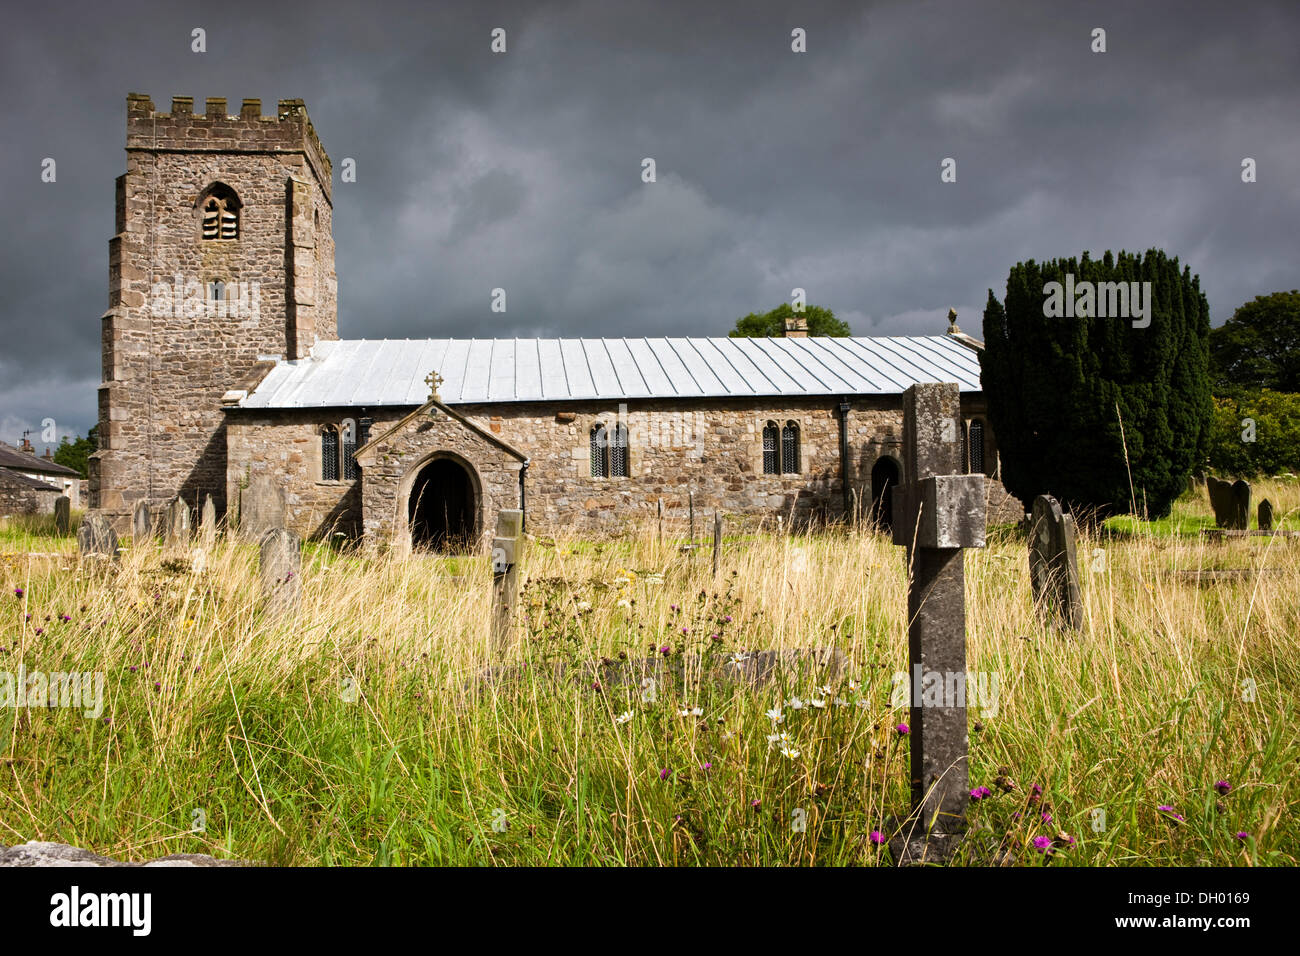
(976, 450)
(771, 463)
(329, 454)
(220, 208)
(790, 448)
(609, 453)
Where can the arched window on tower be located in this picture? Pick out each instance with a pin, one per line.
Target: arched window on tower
(329, 453)
(771, 461)
(220, 208)
(790, 448)
(976, 450)
(349, 449)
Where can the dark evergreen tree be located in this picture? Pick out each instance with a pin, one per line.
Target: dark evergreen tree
(1068, 395)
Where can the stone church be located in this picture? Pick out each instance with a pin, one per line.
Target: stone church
(223, 367)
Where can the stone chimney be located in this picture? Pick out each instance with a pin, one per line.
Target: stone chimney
(27, 445)
(796, 327)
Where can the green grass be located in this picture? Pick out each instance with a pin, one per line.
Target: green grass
(357, 732)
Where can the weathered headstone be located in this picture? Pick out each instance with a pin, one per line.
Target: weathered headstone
(141, 525)
(97, 537)
(261, 507)
(1240, 505)
(717, 540)
(208, 520)
(63, 515)
(505, 576)
(1230, 502)
(1054, 563)
(280, 565)
(937, 514)
(1266, 515)
(177, 522)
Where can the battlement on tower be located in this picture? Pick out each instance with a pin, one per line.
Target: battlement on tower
(215, 130)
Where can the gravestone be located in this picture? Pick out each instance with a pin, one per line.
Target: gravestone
(97, 537)
(141, 525)
(177, 523)
(1230, 502)
(280, 567)
(1266, 515)
(1054, 563)
(937, 514)
(505, 576)
(208, 520)
(63, 515)
(261, 507)
(1240, 505)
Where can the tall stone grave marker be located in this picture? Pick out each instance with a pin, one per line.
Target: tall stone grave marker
(261, 507)
(505, 576)
(937, 513)
(280, 567)
(1266, 515)
(208, 521)
(178, 523)
(1054, 563)
(141, 524)
(1240, 505)
(63, 515)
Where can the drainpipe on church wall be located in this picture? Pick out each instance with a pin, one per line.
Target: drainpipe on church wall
(844, 458)
(523, 512)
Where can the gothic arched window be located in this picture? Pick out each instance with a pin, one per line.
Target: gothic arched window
(618, 452)
(329, 453)
(771, 463)
(220, 207)
(976, 450)
(599, 451)
(790, 448)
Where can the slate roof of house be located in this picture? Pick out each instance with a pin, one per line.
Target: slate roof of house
(393, 371)
(15, 459)
(13, 479)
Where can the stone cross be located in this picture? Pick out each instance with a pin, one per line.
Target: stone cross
(63, 515)
(506, 548)
(937, 513)
(141, 523)
(280, 565)
(1054, 563)
(433, 380)
(178, 522)
(97, 537)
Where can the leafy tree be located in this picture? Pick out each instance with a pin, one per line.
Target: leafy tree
(1256, 434)
(1259, 347)
(1068, 396)
(73, 454)
(772, 324)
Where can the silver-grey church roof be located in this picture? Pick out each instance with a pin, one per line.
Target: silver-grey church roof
(392, 371)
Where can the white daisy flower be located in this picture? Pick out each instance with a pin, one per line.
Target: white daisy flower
(624, 717)
(691, 712)
(775, 715)
(841, 702)
(790, 752)
(737, 659)
(817, 702)
(794, 703)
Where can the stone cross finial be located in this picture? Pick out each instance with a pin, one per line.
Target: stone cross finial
(433, 380)
(937, 513)
(952, 322)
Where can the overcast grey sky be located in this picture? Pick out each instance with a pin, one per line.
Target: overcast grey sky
(775, 169)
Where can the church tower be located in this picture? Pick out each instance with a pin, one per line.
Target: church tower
(222, 262)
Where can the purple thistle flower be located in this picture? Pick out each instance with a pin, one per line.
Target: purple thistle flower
(706, 766)
(665, 773)
(132, 668)
(1241, 835)
(40, 631)
(727, 619)
(976, 795)
(1174, 814)
(1222, 786)
(1042, 843)
(877, 837)
(18, 592)
(686, 630)
(1047, 818)
(665, 649)
(902, 730)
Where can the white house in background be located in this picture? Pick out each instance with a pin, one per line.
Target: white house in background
(23, 461)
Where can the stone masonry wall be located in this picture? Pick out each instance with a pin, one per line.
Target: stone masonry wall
(713, 448)
(169, 356)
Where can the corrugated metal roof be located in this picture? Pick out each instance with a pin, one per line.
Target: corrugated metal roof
(392, 371)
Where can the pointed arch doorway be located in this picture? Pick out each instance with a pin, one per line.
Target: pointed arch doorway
(443, 506)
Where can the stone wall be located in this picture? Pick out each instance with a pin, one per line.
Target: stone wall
(171, 351)
(24, 496)
(710, 447)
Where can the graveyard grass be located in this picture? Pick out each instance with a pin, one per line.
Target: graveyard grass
(358, 732)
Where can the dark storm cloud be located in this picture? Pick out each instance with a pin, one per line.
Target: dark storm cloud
(775, 170)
